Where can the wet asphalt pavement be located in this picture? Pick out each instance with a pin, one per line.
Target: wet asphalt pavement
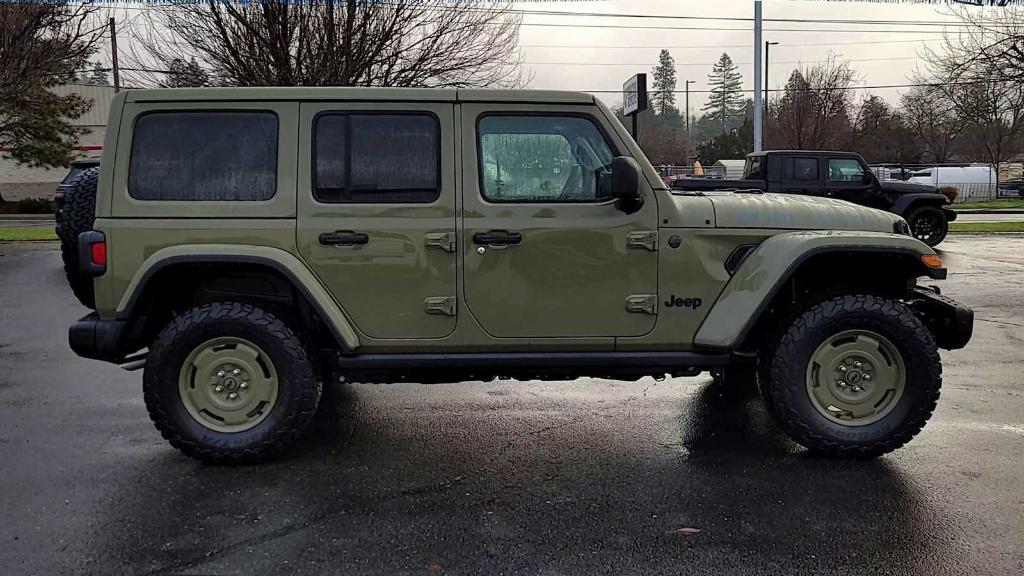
(584, 477)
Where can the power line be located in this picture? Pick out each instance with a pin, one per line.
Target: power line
(720, 46)
(716, 29)
(808, 89)
(677, 64)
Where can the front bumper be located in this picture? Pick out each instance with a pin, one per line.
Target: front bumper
(950, 322)
(949, 213)
(93, 337)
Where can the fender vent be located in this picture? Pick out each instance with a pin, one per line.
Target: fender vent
(739, 254)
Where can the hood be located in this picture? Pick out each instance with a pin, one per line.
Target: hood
(901, 187)
(796, 212)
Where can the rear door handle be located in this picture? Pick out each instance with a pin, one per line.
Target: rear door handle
(344, 238)
(497, 238)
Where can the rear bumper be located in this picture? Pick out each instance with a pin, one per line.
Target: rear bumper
(950, 322)
(93, 337)
(949, 213)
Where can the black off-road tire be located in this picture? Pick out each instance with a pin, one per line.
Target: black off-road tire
(786, 393)
(77, 215)
(299, 384)
(939, 225)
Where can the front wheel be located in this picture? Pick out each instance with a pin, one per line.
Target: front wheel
(928, 224)
(855, 375)
(230, 382)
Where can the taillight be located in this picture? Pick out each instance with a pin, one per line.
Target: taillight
(92, 253)
(99, 253)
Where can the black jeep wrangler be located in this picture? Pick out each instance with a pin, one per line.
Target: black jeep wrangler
(842, 175)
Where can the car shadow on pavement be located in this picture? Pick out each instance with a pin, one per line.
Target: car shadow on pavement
(399, 481)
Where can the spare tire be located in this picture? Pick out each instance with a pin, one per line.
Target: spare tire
(77, 215)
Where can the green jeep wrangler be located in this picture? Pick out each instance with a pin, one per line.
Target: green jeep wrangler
(246, 245)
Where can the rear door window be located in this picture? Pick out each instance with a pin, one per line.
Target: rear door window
(204, 156)
(377, 158)
(803, 169)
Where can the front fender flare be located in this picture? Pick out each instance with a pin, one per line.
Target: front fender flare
(281, 261)
(903, 203)
(767, 269)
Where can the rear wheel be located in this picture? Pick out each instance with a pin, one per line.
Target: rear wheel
(230, 382)
(854, 375)
(928, 224)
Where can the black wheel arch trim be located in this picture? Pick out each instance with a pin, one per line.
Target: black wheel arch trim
(905, 203)
(934, 273)
(133, 300)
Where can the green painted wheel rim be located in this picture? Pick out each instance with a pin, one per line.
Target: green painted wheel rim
(856, 377)
(228, 384)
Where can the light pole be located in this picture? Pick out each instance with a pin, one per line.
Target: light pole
(757, 76)
(688, 82)
(767, 45)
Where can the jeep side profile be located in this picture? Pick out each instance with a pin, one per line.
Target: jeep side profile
(251, 243)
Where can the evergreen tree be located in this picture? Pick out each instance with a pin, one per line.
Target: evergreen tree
(98, 76)
(663, 97)
(183, 74)
(725, 101)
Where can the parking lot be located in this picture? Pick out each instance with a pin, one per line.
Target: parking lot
(583, 477)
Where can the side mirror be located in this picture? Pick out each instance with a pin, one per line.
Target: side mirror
(626, 184)
(868, 178)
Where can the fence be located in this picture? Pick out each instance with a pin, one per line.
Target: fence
(965, 182)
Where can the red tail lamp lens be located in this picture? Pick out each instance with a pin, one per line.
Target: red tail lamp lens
(99, 253)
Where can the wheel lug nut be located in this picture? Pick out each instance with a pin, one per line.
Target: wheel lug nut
(236, 371)
(218, 389)
(841, 384)
(856, 364)
(220, 374)
(857, 388)
(243, 385)
(232, 396)
(867, 376)
(842, 368)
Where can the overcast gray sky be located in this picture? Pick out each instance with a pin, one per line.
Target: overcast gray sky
(600, 60)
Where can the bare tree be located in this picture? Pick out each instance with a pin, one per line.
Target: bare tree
(989, 37)
(985, 91)
(934, 120)
(430, 43)
(42, 46)
(813, 111)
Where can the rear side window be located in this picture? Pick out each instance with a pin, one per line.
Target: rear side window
(377, 158)
(197, 156)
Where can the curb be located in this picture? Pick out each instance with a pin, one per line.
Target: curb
(26, 217)
(990, 211)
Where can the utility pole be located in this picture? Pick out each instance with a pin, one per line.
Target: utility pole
(758, 112)
(113, 56)
(767, 46)
(688, 137)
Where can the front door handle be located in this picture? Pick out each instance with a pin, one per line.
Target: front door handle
(498, 238)
(344, 238)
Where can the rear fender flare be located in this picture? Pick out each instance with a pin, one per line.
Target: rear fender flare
(279, 260)
(765, 271)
